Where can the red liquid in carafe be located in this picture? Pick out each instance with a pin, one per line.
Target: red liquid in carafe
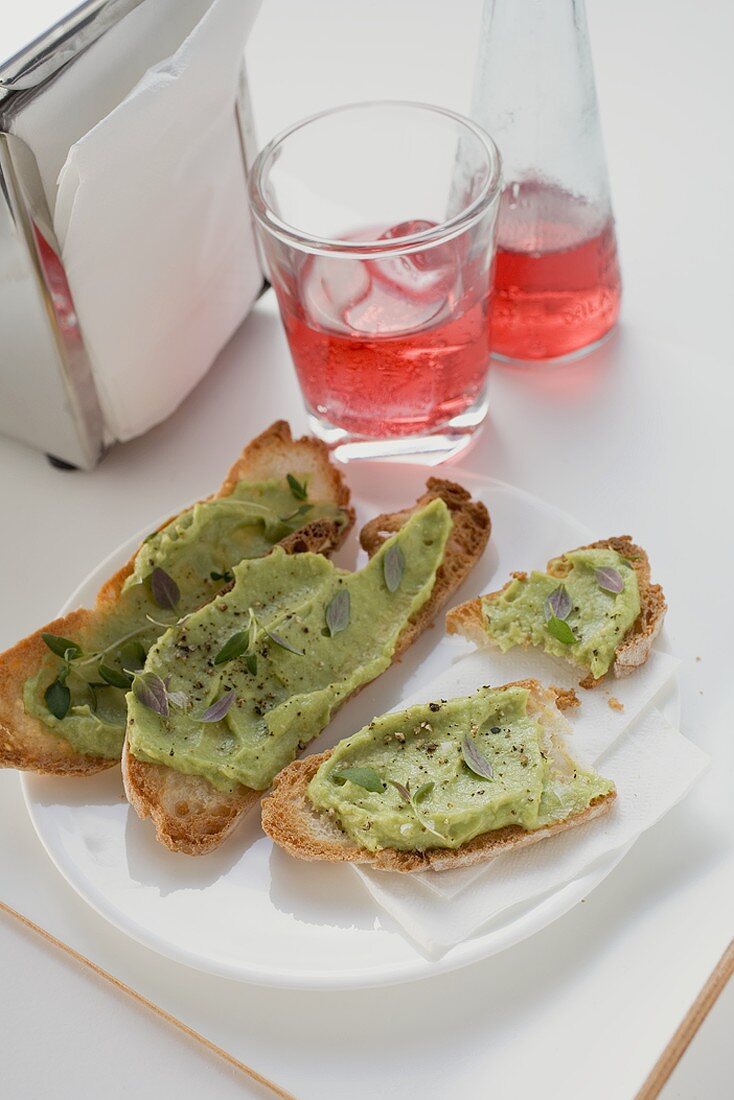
(557, 284)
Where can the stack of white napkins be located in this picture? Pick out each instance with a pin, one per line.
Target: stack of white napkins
(650, 761)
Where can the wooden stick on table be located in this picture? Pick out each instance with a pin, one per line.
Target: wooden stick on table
(150, 1005)
(690, 1024)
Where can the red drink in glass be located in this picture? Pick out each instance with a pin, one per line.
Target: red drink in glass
(377, 221)
(393, 346)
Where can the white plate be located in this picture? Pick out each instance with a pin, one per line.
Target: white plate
(249, 911)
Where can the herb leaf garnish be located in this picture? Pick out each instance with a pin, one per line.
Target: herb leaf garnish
(283, 642)
(251, 663)
(393, 565)
(115, 677)
(301, 511)
(402, 790)
(475, 759)
(57, 698)
(423, 791)
(62, 647)
(557, 604)
(149, 689)
(363, 777)
(217, 711)
(338, 611)
(164, 589)
(132, 655)
(412, 800)
(299, 490)
(561, 631)
(235, 646)
(609, 580)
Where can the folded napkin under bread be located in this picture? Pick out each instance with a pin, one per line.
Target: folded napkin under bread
(652, 764)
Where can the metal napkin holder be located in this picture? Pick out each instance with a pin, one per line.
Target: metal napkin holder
(47, 391)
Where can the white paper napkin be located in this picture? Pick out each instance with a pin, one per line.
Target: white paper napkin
(439, 909)
(152, 217)
(653, 766)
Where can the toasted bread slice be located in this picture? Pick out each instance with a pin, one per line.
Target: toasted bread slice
(28, 744)
(190, 815)
(295, 825)
(635, 647)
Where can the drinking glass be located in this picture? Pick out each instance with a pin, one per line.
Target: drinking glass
(377, 221)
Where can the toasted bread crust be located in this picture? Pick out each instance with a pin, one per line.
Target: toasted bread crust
(25, 742)
(294, 824)
(632, 652)
(208, 816)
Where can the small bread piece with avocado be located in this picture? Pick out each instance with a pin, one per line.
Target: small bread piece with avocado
(267, 667)
(595, 607)
(440, 785)
(62, 690)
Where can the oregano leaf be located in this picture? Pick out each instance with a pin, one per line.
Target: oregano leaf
(338, 611)
(165, 591)
(609, 580)
(58, 699)
(561, 631)
(217, 711)
(299, 490)
(393, 566)
(558, 604)
(475, 759)
(61, 646)
(363, 777)
(149, 689)
(234, 647)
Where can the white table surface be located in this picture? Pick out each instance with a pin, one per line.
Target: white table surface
(638, 438)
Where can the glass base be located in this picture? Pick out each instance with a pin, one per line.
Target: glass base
(569, 357)
(430, 448)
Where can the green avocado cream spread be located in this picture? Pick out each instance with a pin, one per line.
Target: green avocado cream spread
(256, 674)
(79, 690)
(439, 774)
(582, 612)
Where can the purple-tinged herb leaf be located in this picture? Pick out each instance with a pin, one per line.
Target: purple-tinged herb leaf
(561, 631)
(475, 759)
(283, 642)
(234, 647)
(164, 589)
(403, 791)
(558, 604)
(299, 490)
(178, 699)
(609, 579)
(150, 690)
(393, 565)
(363, 777)
(58, 699)
(62, 646)
(423, 791)
(338, 611)
(217, 711)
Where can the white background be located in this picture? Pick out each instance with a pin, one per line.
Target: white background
(636, 439)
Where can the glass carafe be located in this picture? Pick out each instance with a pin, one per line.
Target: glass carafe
(557, 284)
